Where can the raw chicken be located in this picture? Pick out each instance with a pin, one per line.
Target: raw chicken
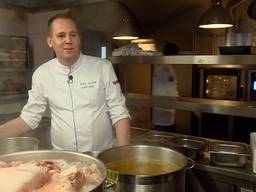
(47, 176)
(92, 174)
(22, 178)
(70, 180)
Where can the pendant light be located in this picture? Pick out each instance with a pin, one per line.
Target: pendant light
(126, 31)
(215, 17)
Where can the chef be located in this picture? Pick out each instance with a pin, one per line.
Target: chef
(82, 92)
(164, 83)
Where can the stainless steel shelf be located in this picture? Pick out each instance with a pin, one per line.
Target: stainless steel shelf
(4, 97)
(225, 107)
(14, 70)
(13, 60)
(187, 59)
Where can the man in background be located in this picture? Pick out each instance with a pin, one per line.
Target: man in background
(164, 83)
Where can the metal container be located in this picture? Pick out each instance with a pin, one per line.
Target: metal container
(65, 155)
(168, 182)
(191, 147)
(16, 144)
(231, 154)
(136, 134)
(156, 137)
(92, 153)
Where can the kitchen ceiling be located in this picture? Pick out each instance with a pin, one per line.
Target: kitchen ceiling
(155, 15)
(149, 15)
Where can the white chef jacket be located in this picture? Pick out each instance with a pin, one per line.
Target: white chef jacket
(82, 111)
(164, 83)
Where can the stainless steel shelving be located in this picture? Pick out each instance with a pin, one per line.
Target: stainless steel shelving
(226, 107)
(187, 59)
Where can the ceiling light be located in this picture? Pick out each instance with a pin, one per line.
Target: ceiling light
(215, 17)
(126, 31)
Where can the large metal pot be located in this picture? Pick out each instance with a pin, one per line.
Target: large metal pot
(66, 155)
(166, 182)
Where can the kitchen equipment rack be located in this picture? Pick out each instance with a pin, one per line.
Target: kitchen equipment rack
(226, 107)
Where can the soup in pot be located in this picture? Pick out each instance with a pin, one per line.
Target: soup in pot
(142, 167)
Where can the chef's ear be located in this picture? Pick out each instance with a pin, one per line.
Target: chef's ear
(49, 41)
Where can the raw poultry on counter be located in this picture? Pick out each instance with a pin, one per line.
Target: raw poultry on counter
(48, 176)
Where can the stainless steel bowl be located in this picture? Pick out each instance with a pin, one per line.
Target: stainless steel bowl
(16, 144)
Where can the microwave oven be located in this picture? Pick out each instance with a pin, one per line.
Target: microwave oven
(222, 84)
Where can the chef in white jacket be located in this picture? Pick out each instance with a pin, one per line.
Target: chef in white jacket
(164, 83)
(82, 91)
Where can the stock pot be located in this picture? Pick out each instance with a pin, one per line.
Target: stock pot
(171, 181)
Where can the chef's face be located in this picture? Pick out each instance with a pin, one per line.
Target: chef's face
(65, 40)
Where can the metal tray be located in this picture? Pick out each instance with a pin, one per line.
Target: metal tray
(192, 147)
(231, 154)
(156, 137)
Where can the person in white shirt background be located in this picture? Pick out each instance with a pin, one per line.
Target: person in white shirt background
(164, 83)
(82, 92)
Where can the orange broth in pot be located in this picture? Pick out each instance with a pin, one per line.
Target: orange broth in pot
(142, 167)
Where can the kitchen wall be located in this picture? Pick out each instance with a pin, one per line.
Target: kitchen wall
(13, 23)
(37, 31)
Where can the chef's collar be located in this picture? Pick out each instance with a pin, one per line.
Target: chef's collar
(69, 69)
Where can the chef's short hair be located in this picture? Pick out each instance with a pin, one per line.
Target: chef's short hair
(60, 16)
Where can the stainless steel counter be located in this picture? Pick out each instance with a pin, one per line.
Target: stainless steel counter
(243, 177)
(238, 177)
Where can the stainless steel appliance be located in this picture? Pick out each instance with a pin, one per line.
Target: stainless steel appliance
(252, 85)
(222, 84)
(229, 82)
